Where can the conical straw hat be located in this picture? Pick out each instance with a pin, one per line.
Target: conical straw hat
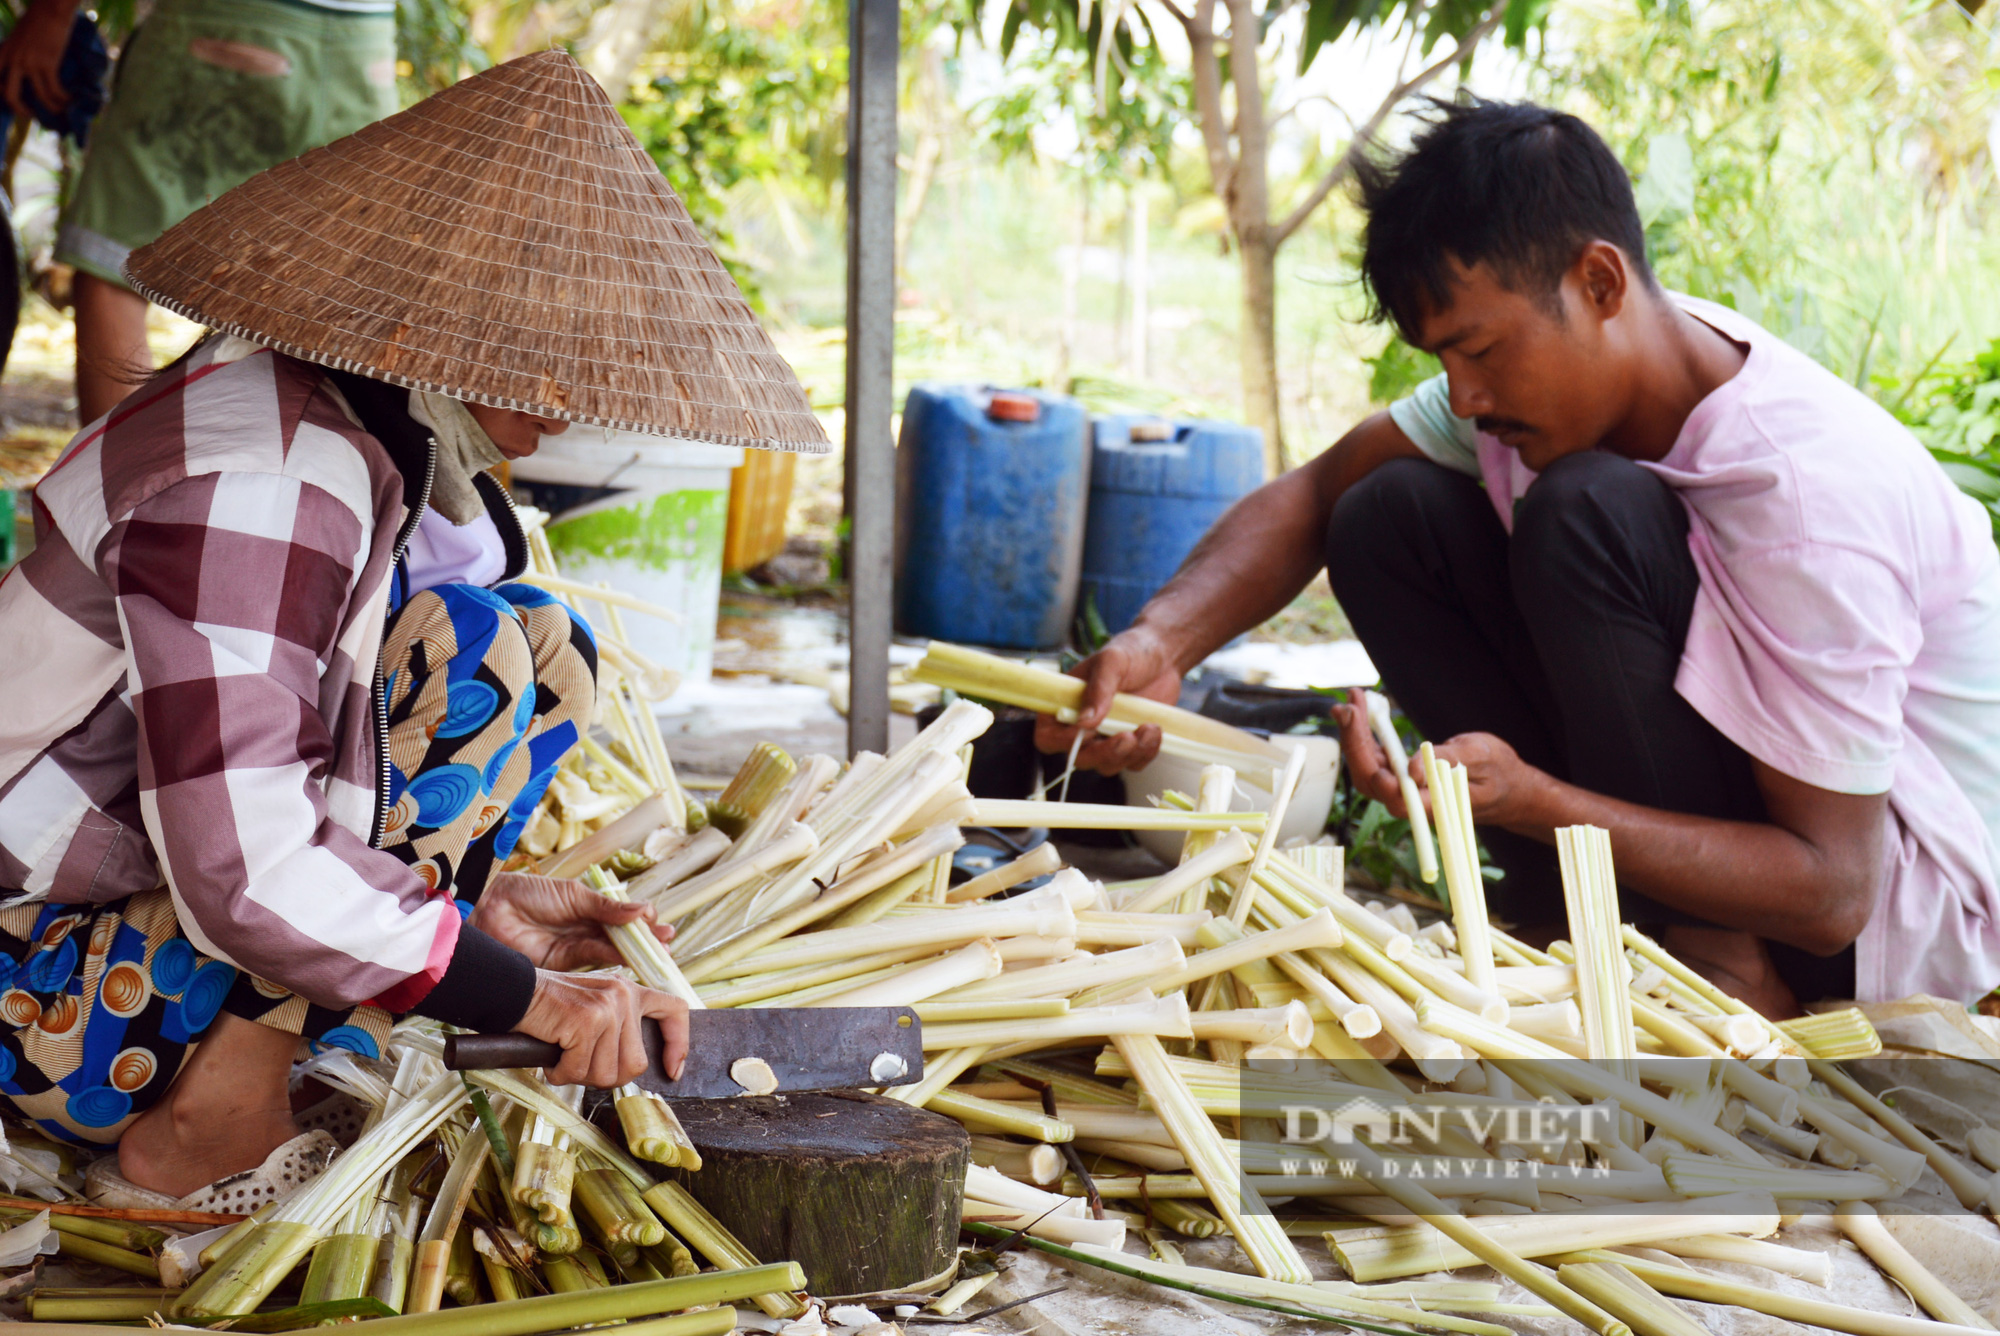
(505, 242)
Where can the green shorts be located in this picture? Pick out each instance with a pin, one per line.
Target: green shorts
(208, 93)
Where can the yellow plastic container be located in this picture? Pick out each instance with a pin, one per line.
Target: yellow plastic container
(760, 492)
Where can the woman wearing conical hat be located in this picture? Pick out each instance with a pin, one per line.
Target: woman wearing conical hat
(273, 709)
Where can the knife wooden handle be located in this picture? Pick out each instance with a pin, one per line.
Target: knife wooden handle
(483, 1052)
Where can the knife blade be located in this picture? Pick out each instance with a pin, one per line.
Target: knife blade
(806, 1048)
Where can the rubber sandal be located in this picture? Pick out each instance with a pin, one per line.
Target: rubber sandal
(340, 1115)
(290, 1166)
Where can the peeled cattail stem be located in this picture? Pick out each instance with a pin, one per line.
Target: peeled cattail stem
(1038, 861)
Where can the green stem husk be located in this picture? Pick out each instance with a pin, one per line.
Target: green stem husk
(691, 1220)
(566, 1276)
(342, 1265)
(615, 1210)
(554, 1312)
(672, 1258)
(653, 1133)
(544, 1177)
(132, 1238)
(489, 1122)
(504, 1281)
(461, 1270)
(706, 1322)
(91, 1305)
(106, 1254)
(239, 1281)
(1106, 1264)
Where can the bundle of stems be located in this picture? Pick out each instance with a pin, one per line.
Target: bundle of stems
(1839, 1035)
(637, 945)
(1458, 853)
(1183, 733)
(264, 1254)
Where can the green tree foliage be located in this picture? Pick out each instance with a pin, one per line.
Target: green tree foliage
(435, 47)
(1820, 165)
(1235, 49)
(1115, 92)
(757, 93)
(1956, 413)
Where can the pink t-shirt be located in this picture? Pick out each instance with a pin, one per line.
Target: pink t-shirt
(1846, 633)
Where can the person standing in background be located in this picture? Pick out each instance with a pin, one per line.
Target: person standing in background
(207, 94)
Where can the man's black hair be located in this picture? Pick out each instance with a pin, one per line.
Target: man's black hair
(1518, 186)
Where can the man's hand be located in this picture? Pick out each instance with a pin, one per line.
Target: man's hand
(1505, 790)
(32, 57)
(1133, 661)
(558, 924)
(1367, 763)
(596, 1019)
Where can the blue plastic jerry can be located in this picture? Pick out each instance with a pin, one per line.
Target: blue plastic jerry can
(990, 513)
(1156, 486)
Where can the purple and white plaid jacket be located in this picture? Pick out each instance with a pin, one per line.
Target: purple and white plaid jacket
(186, 667)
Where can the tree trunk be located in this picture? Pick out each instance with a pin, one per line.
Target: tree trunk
(1258, 341)
(1249, 201)
(863, 1192)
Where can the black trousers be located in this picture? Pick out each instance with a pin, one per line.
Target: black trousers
(1563, 640)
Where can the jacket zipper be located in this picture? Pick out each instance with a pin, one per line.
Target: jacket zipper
(516, 534)
(378, 698)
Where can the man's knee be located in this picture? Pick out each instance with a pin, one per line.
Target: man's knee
(1383, 514)
(1590, 511)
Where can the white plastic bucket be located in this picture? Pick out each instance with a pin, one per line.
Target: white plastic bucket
(1304, 819)
(658, 538)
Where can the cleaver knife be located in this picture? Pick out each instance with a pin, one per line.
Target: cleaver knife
(807, 1048)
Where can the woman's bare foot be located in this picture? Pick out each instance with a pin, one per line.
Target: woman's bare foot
(1736, 962)
(226, 1111)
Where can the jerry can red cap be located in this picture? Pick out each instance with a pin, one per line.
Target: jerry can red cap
(1007, 406)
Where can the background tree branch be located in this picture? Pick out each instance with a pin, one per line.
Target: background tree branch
(1344, 166)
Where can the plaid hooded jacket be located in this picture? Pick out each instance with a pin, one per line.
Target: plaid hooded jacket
(187, 687)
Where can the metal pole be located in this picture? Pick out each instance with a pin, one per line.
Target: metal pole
(871, 295)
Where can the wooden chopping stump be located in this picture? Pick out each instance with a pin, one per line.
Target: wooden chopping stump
(863, 1192)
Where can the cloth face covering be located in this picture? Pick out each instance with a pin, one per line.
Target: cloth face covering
(463, 449)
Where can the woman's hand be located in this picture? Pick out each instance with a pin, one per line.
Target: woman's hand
(596, 1018)
(557, 924)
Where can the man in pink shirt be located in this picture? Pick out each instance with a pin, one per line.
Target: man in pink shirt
(1639, 564)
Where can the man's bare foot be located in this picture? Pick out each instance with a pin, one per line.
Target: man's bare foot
(226, 1111)
(1736, 962)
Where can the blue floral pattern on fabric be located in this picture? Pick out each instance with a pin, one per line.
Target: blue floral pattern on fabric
(99, 1106)
(469, 706)
(444, 793)
(352, 1038)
